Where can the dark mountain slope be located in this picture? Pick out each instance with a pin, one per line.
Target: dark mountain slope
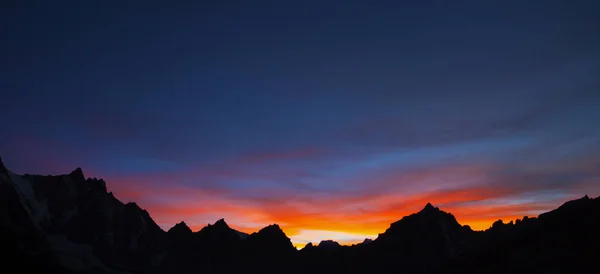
(565, 240)
(85, 227)
(268, 251)
(23, 245)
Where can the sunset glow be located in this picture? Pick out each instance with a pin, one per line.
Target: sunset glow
(477, 193)
(331, 120)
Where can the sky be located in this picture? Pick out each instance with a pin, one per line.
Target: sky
(330, 118)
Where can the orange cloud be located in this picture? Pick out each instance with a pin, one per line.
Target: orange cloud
(477, 195)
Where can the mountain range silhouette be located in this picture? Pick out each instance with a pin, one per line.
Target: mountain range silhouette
(70, 224)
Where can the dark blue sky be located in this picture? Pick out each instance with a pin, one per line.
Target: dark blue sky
(326, 110)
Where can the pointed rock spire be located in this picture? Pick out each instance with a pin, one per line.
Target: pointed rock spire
(180, 228)
(269, 239)
(429, 208)
(221, 223)
(272, 229)
(77, 175)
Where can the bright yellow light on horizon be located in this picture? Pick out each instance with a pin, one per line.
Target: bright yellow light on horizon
(316, 236)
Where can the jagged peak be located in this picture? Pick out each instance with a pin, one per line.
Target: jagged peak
(180, 227)
(429, 214)
(274, 226)
(220, 226)
(585, 198)
(429, 210)
(272, 235)
(221, 222)
(571, 205)
(498, 223)
(430, 207)
(77, 174)
(576, 201)
(97, 184)
(271, 228)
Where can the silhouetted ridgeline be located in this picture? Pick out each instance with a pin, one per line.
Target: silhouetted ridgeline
(69, 224)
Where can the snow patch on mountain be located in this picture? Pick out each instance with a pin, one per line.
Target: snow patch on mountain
(38, 211)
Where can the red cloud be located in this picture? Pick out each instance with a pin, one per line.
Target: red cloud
(464, 190)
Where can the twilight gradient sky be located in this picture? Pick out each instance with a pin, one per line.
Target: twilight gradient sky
(331, 118)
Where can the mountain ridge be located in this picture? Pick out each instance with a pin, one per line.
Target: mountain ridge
(82, 227)
(78, 173)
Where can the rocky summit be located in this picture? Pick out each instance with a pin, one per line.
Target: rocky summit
(70, 224)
